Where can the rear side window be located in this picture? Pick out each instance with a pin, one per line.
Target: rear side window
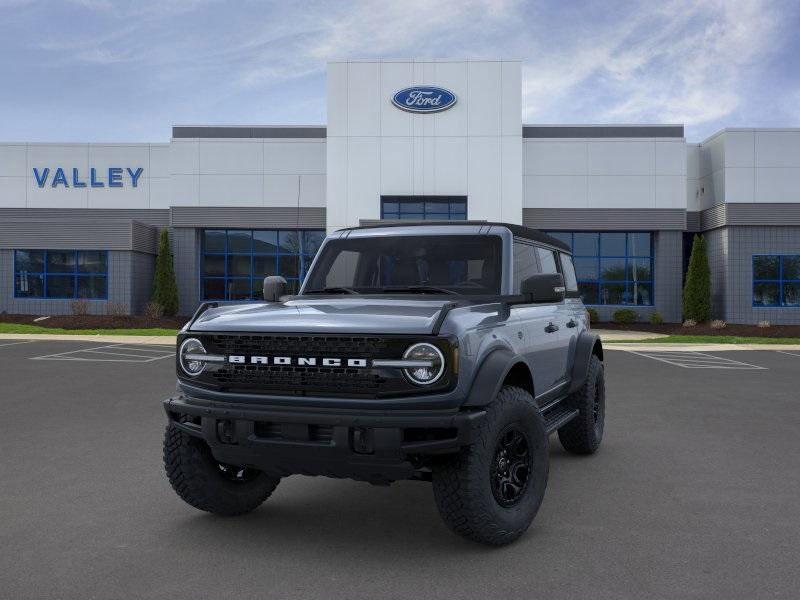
(547, 260)
(568, 269)
(526, 263)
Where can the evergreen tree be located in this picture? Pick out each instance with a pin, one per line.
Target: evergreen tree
(165, 288)
(697, 290)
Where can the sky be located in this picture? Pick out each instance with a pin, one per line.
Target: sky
(126, 71)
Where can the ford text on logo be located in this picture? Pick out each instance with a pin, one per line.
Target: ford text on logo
(114, 177)
(301, 361)
(424, 99)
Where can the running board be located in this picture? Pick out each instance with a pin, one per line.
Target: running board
(558, 418)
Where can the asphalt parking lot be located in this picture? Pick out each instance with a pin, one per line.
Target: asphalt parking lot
(694, 494)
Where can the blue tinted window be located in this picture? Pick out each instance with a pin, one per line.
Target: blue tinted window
(423, 208)
(776, 280)
(67, 274)
(235, 261)
(612, 267)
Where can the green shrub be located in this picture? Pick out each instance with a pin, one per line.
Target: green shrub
(165, 289)
(625, 315)
(656, 318)
(593, 316)
(697, 290)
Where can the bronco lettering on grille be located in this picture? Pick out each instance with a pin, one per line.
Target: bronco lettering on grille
(299, 361)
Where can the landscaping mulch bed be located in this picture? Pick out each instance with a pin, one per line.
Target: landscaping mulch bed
(96, 321)
(774, 331)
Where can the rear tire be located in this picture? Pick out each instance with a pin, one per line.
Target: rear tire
(491, 490)
(201, 481)
(584, 433)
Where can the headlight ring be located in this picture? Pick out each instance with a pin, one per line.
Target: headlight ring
(423, 351)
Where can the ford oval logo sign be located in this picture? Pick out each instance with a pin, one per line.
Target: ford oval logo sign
(424, 99)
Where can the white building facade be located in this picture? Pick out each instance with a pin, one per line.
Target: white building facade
(80, 221)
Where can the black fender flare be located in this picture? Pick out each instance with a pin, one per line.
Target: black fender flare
(490, 376)
(588, 343)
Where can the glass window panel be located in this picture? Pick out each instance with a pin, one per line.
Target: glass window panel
(612, 293)
(458, 206)
(92, 286)
(547, 260)
(791, 294)
(766, 294)
(391, 216)
(30, 260)
(437, 206)
(312, 240)
(265, 242)
(264, 266)
(525, 264)
(239, 289)
(639, 269)
(612, 269)
(765, 267)
(437, 217)
(569, 273)
(238, 266)
(458, 216)
(640, 294)
(563, 236)
(390, 207)
(411, 216)
(791, 267)
(289, 242)
(588, 292)
(292, 285)
(587, 268)
(639, 244)
(60, 261)
(586, 244)
(214, 265)
(239, 241)
(412, 207)
(289, 266)
(92, 261)
(214, 289)
(29, 286)
(612, 244)
(214, 240)
(60, 286)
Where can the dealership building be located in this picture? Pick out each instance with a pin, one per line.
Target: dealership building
(405, 139)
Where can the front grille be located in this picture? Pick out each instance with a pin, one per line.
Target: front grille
(363, 382)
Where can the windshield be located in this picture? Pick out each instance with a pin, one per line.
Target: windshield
(444, 264)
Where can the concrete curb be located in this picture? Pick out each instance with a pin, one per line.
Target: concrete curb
(700, 347)
(163, 340)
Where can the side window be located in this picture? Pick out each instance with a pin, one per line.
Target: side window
(525, 263)
(547, 260)
(568, 269)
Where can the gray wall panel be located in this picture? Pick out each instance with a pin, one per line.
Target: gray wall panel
(602, 131)
(186, 256)
(606, 219)
(144, 238)
(256, 217)
(67, 234)
(157, 217)
(231, 132)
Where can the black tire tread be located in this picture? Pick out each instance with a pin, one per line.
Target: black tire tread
(578, 436)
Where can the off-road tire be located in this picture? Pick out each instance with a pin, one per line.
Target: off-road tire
(462, 483)
(584, 433)
(200, 481)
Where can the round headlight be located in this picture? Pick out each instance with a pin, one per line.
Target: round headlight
(189, 354)
(428, 353)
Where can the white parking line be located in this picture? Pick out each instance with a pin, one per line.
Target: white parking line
(698, 360)
(789, 353)
(17, 343)
(125, 352)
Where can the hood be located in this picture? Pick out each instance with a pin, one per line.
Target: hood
(325, 315)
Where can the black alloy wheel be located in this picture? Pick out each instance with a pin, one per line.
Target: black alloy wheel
(511, 466)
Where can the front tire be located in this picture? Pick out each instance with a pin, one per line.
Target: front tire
(491, 490)
(584, 433)
(208, 485)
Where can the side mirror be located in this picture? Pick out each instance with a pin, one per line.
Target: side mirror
(274, 288)
(544, 287)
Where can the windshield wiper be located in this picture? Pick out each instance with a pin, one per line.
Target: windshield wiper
(333, 290)
(418, 288)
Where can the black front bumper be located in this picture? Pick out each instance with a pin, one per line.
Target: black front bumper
(368, 445)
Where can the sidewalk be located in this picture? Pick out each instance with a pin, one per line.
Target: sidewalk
(164, 340)
(608, 335)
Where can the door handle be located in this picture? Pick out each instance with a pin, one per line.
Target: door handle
(572, 323)
(551, 328)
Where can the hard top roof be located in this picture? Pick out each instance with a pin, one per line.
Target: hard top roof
(520, 231)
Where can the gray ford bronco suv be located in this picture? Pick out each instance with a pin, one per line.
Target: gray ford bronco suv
(438, 352)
